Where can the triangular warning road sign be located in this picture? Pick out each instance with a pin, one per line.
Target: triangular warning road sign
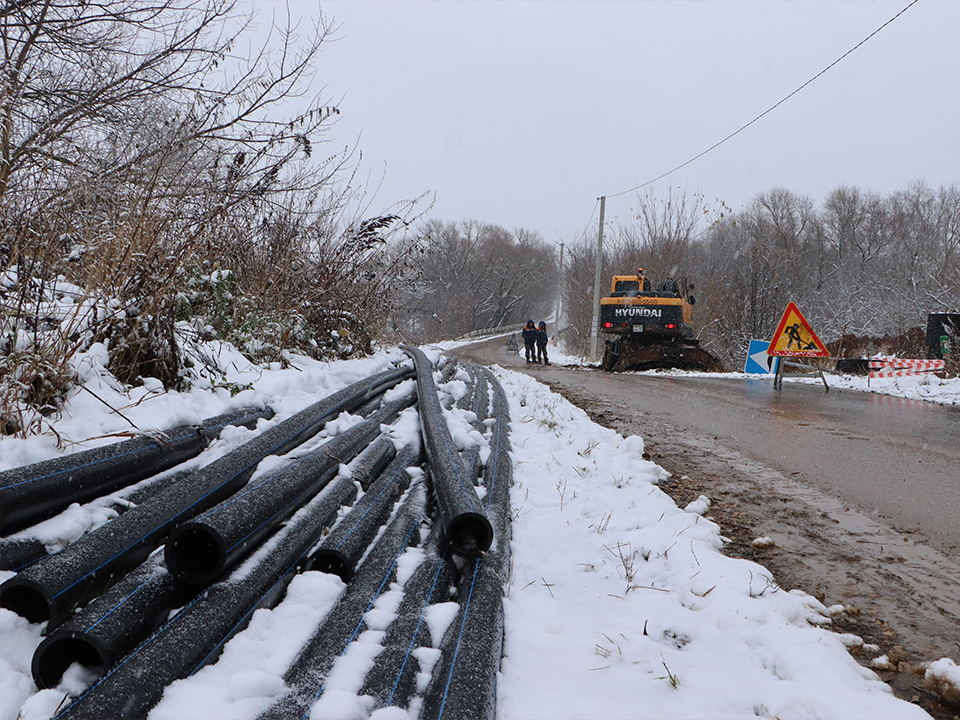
(795, 338)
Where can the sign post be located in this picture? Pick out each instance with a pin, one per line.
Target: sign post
(795, 338)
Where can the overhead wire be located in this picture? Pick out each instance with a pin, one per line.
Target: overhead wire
(768, 110)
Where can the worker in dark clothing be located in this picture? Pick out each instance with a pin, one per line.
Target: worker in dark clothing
(542, 343)
(530, 341)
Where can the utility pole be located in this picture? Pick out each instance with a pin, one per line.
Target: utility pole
(595, 331)
(556, 315)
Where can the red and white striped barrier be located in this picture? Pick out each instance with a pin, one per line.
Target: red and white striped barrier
(899, 367)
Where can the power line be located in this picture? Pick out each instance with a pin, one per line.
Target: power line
(769, 110)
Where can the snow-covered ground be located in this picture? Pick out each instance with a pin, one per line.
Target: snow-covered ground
(620, 603)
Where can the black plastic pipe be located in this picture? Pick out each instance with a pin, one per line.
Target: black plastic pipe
(392, 681)
(195, 636)
(463, 683)
(36, 492)
(480, 403)
(465, 526)
(476, 402)
(344, 622)
(342, 549)
(200, 550)
(153, 486)
(466, 400)
(464, 680)
(112, 625)
(498, 478)
(52, 587)
(18, 553)
(370, 406)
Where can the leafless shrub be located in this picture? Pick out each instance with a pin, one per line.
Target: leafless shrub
(175, 205)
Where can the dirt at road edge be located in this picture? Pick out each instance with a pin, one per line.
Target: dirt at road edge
(806, 555)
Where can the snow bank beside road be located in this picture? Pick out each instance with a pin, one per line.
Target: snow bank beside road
(929, 387)
(622, 605)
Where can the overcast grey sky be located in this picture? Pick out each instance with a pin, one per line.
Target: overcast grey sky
(523, 113)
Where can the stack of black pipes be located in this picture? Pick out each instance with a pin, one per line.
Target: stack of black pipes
(200, 552)
(50, 589)
(213, 518)
(33, 493)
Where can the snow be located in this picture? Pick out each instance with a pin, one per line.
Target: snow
(249, 674)
(620, 604)
(943, 676)
(619, 595)
(927, 387)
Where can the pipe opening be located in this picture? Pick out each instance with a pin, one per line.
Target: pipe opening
(332, 562)
(57, 653)
(470, 534)
(195, 554)
(26, 601)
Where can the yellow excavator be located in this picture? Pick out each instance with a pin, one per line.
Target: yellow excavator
(651, 329)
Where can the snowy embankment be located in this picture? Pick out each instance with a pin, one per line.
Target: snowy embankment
(620, 603)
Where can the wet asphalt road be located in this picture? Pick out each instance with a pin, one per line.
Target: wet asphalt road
(889, 458)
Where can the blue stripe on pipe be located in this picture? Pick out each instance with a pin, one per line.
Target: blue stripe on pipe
(453, 663)
(117, 606)
(416, 632)
(356, 630)
(74, 468)
(384, 489)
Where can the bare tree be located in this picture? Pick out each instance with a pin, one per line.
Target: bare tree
(660, 233)
(110, 86)
(578, 281)
(145, 161)
(474, 275)
(925, 225)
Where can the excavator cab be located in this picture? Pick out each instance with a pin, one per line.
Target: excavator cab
(629, 285)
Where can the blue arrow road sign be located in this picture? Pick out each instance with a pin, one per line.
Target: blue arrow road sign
(757, 359)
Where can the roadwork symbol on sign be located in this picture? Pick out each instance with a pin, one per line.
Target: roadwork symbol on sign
(795, 338)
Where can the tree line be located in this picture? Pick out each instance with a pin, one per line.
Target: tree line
(862, 264)
(472, 275)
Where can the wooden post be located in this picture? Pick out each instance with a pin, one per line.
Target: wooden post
(556, 315)
(595, 332)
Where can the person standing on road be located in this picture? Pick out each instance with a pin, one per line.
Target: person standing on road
(529, 341)
(542, 343)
